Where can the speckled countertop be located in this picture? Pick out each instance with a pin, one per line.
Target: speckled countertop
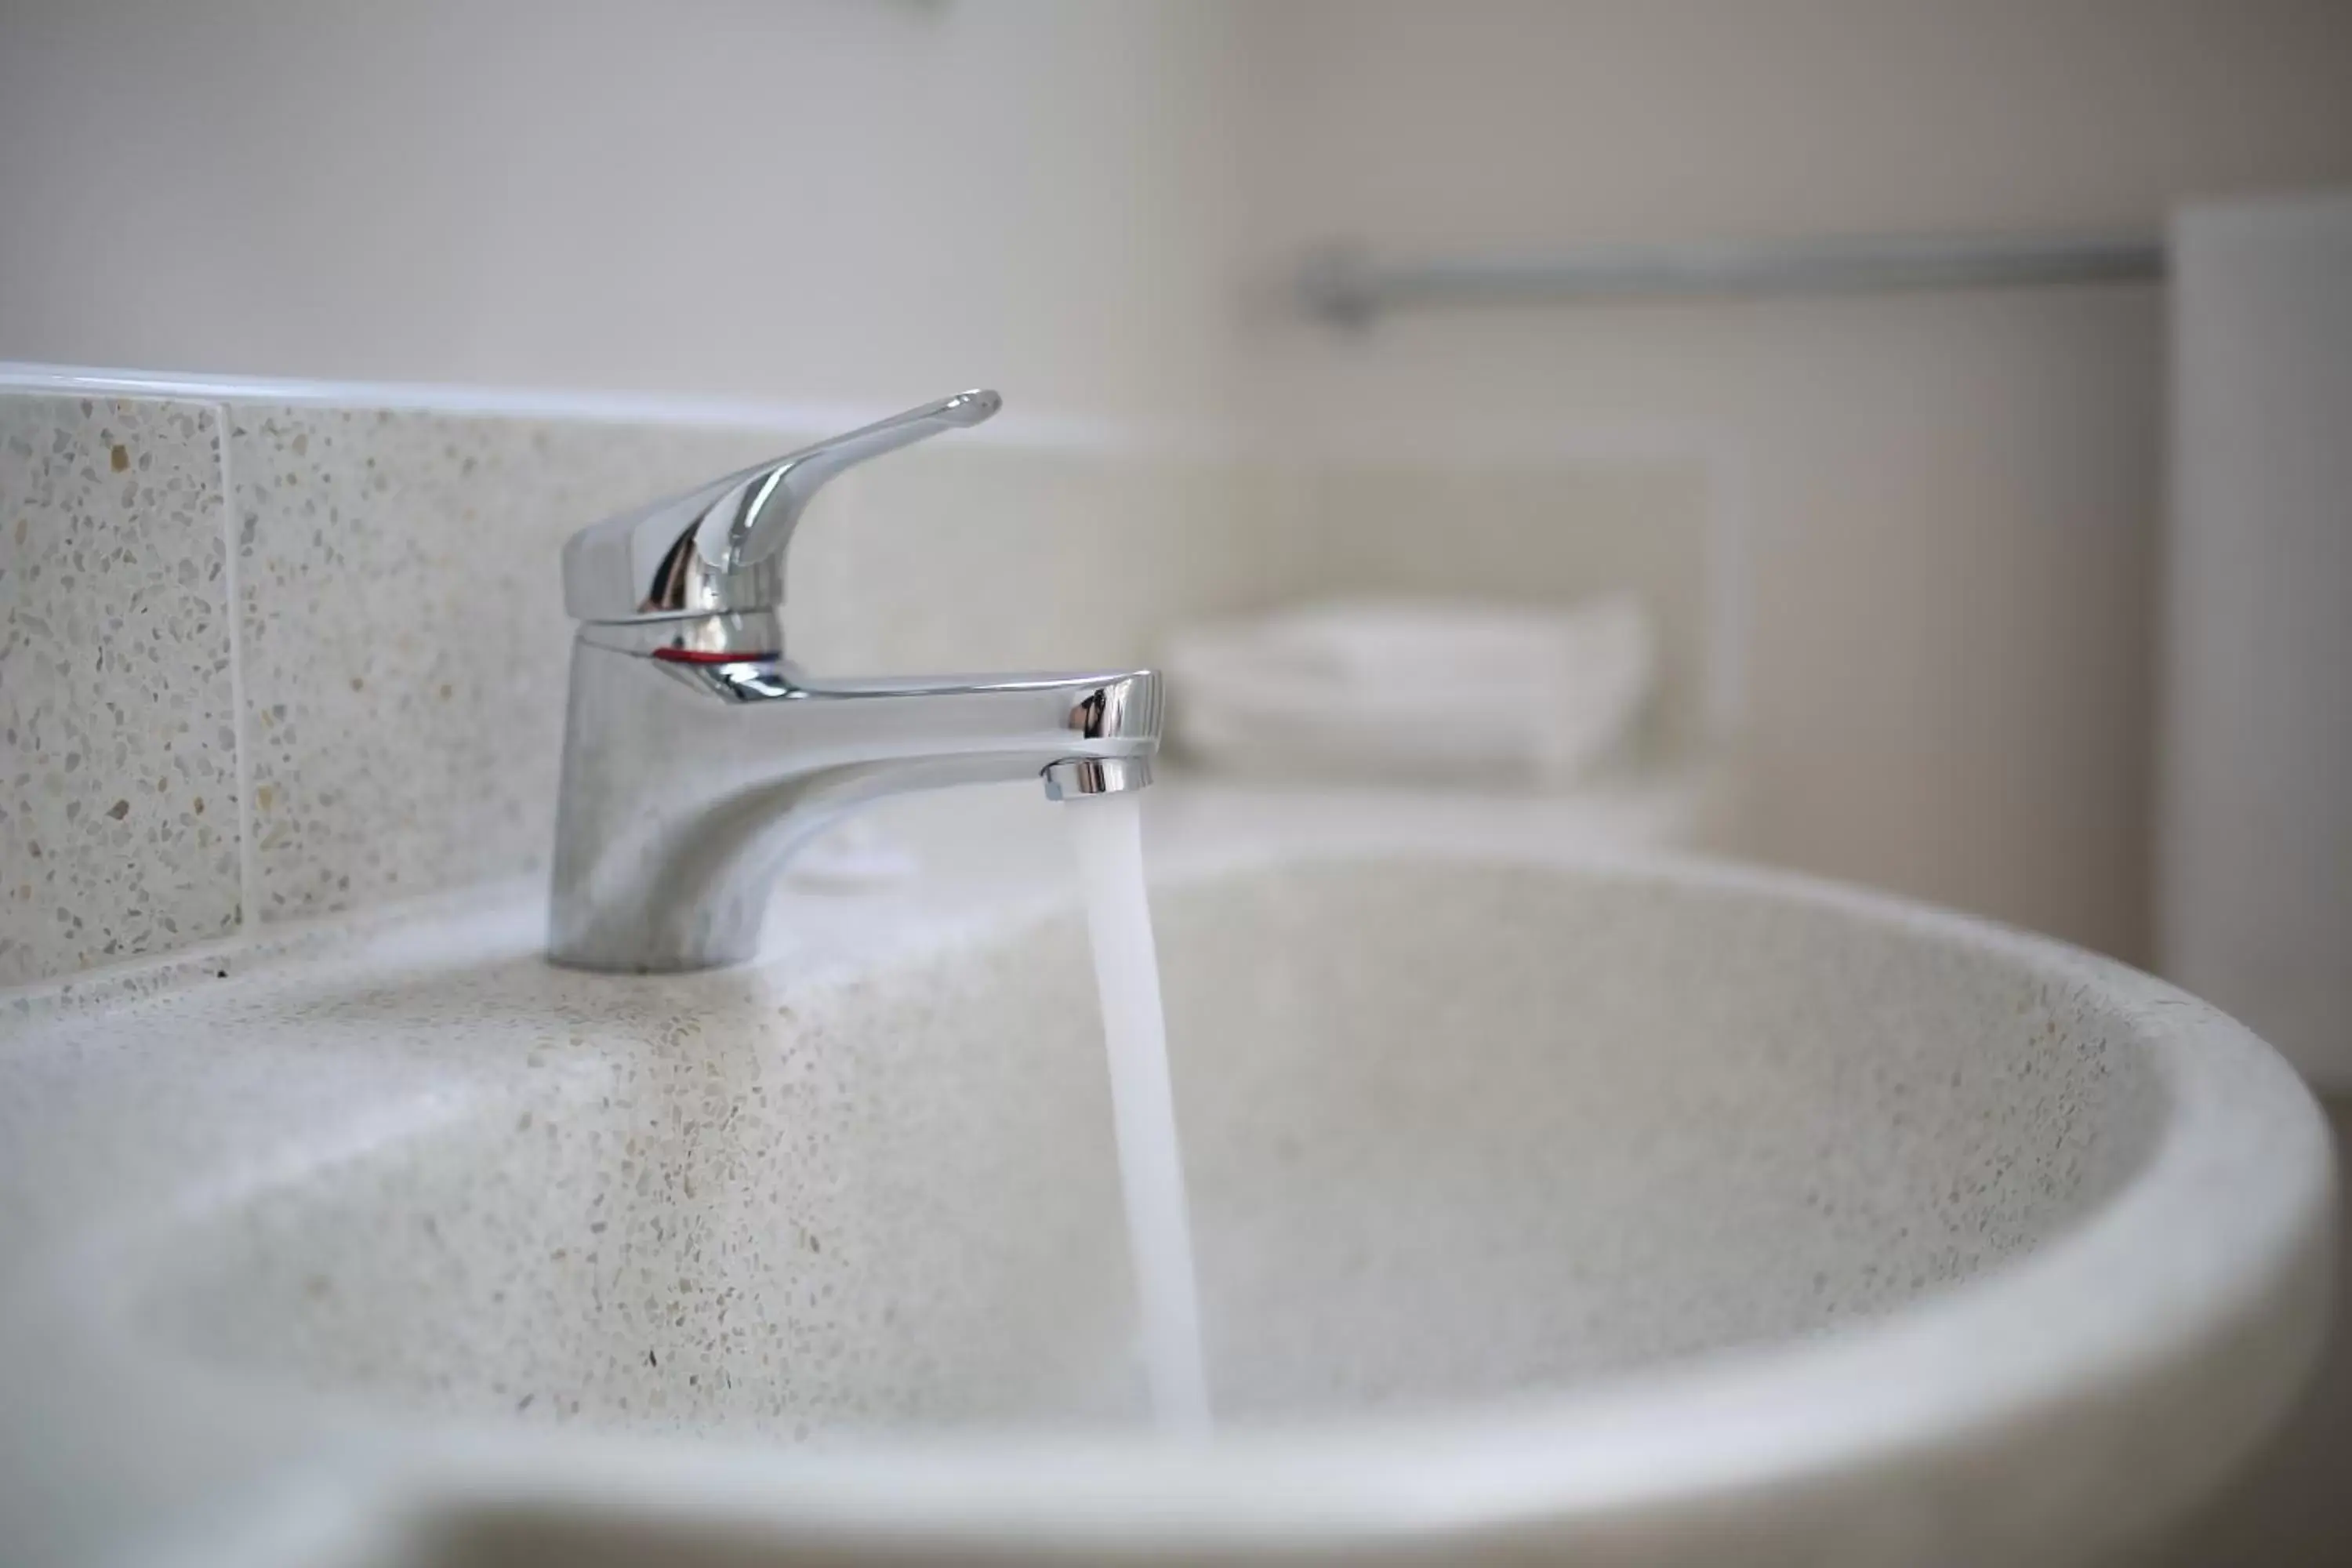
(397, 1238)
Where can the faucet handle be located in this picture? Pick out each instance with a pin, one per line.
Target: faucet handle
(720, 547)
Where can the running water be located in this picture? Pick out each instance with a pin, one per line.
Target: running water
(1109, 836)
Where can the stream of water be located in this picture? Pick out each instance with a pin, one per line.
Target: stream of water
(1108, 832)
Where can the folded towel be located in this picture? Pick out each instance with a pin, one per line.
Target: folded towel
(1422, 690)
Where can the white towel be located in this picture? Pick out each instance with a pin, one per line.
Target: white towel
(1413, 690)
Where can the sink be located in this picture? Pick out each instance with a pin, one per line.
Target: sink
(1548, 1202)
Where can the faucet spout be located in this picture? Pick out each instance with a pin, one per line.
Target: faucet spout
(689, 781)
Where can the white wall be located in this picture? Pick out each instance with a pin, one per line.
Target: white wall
(822, 200)
(1949, 499)
(2254, 857)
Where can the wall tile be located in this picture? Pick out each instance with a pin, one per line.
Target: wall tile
(403, 635)
(119, 815)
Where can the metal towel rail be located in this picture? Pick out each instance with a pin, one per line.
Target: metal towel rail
(1345, 286)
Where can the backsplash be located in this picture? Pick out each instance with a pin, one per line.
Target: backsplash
(117, 685)
(267, 660)
(402, 636)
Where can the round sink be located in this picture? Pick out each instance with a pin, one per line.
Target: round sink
(1548, 1208)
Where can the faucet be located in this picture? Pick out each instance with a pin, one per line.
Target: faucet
(698, 758)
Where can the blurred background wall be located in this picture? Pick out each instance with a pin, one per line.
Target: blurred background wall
(1940, 510)
(1948, 500)
(816, 201)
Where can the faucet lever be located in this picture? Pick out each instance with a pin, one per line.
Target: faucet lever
(763, 525)
(719, 548)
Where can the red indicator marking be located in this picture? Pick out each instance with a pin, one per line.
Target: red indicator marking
(704, 655)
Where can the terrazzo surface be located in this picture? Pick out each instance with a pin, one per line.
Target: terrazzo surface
(119, 818)
(1498, 1150)
(1482, 1134)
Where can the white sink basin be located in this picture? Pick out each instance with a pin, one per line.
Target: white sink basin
(1546, 1204)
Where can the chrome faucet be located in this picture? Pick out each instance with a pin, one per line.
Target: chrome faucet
(696, 759)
